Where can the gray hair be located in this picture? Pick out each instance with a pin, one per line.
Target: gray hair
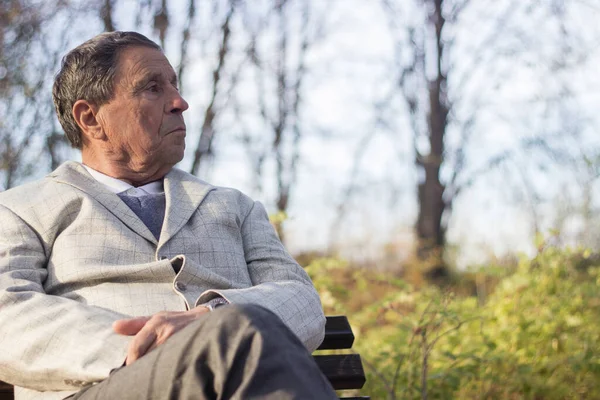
(87, 73)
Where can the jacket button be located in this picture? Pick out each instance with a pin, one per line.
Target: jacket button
(180, 286)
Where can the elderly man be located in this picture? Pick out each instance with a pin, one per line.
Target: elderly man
(122, 277)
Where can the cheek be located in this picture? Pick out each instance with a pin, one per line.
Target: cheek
(114, 123)
(150, 119)
(147, 139)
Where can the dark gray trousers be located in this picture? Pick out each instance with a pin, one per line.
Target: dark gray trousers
(235, 352)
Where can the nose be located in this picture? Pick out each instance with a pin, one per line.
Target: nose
(177, 105)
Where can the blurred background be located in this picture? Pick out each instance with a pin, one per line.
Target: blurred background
(433, 163)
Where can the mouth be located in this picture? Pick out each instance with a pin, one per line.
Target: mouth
(178, 129)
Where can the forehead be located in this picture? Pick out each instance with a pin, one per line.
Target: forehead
(135, 63)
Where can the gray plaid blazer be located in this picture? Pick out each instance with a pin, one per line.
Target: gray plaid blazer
(74, 258)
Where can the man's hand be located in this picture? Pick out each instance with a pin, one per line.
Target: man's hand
(151, 332)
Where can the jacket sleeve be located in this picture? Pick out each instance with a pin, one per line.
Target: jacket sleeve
(279, 283)
(48, 342)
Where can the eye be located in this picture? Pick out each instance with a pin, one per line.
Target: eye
(153, 87)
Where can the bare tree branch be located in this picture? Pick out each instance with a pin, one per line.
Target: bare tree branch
(185, 40)
(204, 146)
(106, 13)
(161, 22)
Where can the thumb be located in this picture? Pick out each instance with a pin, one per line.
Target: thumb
(130, 326)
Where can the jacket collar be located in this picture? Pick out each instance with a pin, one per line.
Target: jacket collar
(183, 192)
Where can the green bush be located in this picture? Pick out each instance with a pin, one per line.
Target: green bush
(536, 337)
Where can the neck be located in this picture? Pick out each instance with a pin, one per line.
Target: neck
(119, 169)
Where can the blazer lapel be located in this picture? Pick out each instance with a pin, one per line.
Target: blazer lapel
(184, 193)
(74, 174)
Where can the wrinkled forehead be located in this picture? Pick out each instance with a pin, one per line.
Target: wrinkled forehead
(138, 63)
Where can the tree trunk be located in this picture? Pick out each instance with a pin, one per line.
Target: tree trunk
(430, 229)
(106, 13)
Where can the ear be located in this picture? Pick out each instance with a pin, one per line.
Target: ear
(86, 116)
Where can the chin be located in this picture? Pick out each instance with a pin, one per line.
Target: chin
(176, 155)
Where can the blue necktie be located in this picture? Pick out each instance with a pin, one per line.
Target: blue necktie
(149, 208)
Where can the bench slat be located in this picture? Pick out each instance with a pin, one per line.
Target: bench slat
(344, 371)
(338, 334)
(6, 391)
(356, 398)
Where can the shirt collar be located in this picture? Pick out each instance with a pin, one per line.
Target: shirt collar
(118, 186)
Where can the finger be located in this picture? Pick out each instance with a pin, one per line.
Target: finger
(199, 310)
(141, 344)
(129, 326)
(157, 331)
(154, 345)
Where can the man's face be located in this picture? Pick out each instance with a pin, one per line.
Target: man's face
(143, 123)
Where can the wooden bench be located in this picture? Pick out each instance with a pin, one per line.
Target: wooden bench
(344, 371)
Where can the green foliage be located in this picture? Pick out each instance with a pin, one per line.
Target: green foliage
(537, 335)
